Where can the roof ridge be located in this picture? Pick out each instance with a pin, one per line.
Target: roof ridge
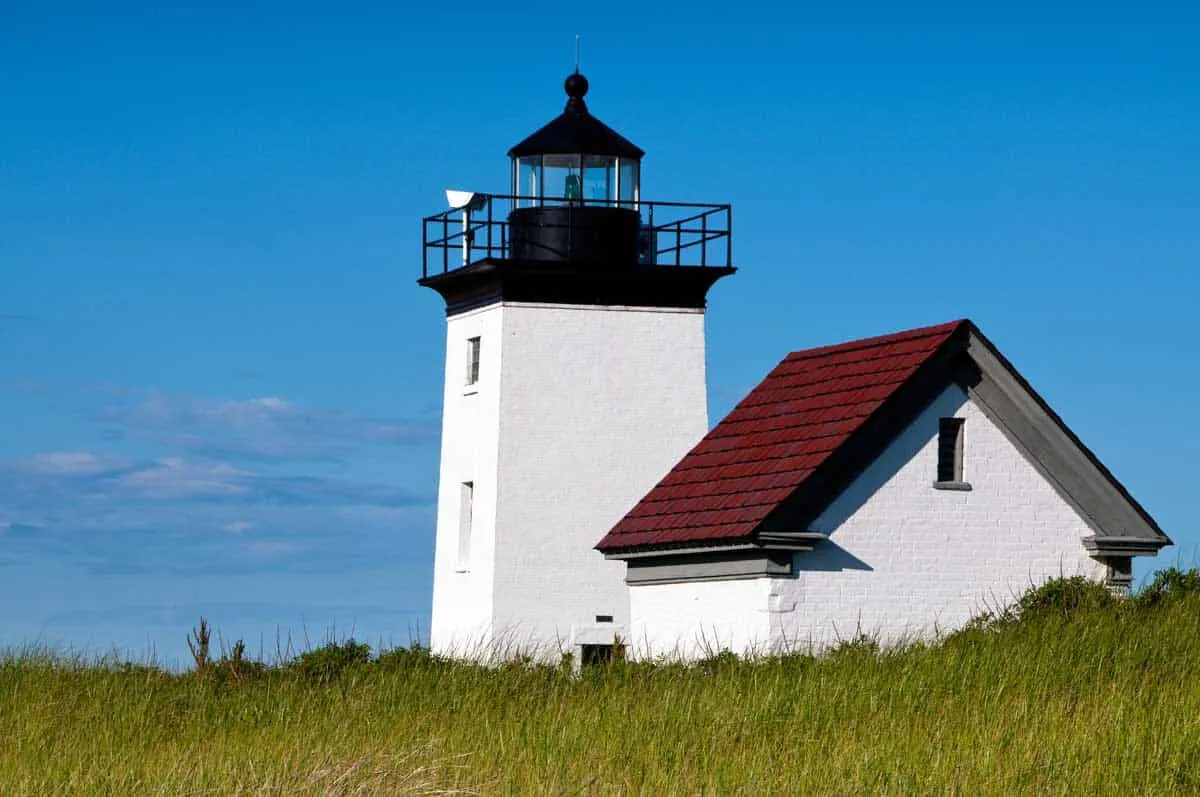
(890, 338)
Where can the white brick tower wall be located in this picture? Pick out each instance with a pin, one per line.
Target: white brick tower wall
(577, 412)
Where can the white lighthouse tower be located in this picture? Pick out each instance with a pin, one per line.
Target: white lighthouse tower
(575, 379)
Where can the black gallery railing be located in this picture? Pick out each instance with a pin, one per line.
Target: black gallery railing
(669, 233)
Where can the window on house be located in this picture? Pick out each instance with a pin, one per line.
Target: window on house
(466, 509)
(472, 360)
(950, 451)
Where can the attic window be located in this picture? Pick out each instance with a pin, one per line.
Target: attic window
(950, 455)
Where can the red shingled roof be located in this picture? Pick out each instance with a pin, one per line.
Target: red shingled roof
(773, 440)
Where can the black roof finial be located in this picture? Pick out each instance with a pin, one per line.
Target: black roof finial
(575, 131)
(576, 85)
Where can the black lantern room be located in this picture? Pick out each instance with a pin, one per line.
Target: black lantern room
(575, 227)
(575, 189)
(576, 158)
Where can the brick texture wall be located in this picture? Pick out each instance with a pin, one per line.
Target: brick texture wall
(580, 410)
(904, 560)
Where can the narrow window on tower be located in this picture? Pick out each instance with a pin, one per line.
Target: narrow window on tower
(466, 508)
(950, 455)
(472, 360)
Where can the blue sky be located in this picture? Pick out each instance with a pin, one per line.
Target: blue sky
(219, 382)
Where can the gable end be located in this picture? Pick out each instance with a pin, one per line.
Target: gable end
(1075, 473)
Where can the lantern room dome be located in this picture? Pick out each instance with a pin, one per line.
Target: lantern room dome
(575, 131)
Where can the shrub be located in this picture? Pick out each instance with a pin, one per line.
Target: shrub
(1169, 584)
(328, 662)
(198, 643)
(235, 667)
(862, 646)
(1063, 597)
(723, 660)
(413, 657)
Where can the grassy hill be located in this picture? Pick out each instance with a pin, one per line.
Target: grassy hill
(1070, 693)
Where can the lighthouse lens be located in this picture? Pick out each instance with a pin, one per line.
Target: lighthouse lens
(561, 179)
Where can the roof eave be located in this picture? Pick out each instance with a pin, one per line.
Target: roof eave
(602, 139)
(798, 542)
(1123, 546)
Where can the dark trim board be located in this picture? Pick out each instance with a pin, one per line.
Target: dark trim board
(493, 280)
(677, 568)
(1120, 546)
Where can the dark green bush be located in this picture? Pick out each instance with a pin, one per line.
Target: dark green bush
(1063, 597)
(414, 656)
(1169, 584)
(330, 661)
(722, 660)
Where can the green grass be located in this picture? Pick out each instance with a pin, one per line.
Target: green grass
(1076, 696)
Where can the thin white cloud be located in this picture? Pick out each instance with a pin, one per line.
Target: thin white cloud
(260, 428)
(192, 484)
(86, 484)
(174, 478)
(72, 463)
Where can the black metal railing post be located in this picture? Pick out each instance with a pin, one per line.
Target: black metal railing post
(728, 236)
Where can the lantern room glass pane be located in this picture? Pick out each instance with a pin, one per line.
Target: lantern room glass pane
(561, 179)
(599, 178)
(529, 181)
(629, 183)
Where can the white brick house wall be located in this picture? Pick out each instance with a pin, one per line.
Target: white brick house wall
(696, 619)
(903, 560)
(579, 411)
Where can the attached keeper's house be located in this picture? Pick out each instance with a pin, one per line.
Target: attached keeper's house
(892, 486)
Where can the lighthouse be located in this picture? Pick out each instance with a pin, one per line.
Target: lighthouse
(574, 380)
